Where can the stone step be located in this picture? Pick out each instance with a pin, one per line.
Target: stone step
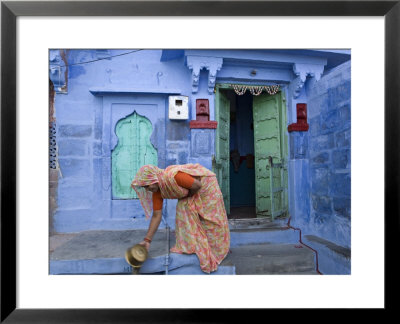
(268, 251)
(272, 259)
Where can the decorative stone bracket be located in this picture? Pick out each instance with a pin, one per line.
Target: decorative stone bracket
(58, 71)
(197, 63)
(302, 71)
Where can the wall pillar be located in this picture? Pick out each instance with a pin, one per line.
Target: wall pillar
(202, 125)
(299, 184)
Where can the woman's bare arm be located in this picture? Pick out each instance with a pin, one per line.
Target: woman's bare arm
(154, 223)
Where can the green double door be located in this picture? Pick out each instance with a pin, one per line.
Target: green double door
(270, 150)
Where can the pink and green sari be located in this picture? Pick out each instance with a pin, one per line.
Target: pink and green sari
(201, 224)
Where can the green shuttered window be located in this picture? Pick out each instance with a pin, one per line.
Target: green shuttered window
(133, 150)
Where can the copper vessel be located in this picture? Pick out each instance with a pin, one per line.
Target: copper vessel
(135, 256)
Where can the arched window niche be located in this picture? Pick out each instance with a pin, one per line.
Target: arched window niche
(133, 150)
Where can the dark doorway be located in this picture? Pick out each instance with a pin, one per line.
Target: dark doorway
(241, 168)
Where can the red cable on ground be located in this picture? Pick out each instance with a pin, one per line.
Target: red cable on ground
(301, 242)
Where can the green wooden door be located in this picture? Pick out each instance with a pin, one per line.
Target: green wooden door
(270, 147)
(133, 150)
(221, 160)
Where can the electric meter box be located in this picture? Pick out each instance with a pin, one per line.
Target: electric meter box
(178, 107)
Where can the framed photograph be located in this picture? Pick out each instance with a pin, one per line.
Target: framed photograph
(177, 65)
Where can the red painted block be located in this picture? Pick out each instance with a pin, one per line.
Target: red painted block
(202, 110)
(203, 115)
(301, 125)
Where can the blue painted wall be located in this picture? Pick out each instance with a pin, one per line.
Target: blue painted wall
(329, 143)
(98, 95)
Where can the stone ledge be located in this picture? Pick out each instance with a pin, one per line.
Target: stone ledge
(346, 252)
(203, 124)
(120, 90)
(178, 264)
(298, 127)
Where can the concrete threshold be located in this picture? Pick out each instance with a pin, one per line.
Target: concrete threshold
(261, 223)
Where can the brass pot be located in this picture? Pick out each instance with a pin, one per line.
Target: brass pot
(136, 255)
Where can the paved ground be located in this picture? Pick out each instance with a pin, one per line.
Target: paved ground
(252, 257)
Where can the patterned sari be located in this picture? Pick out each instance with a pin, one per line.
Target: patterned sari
(201, 222)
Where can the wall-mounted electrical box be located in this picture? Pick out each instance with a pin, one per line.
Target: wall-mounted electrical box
(178, 107)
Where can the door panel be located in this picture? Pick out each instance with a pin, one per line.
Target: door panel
(221, 161)
(284, 149)
(269, 143)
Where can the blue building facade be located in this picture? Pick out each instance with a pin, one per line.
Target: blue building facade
(93, 91)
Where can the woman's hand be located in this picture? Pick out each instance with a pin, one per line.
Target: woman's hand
(195, 188)
(191, 192)
(146, 245)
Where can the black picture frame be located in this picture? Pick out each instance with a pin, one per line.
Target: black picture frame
(10, 10)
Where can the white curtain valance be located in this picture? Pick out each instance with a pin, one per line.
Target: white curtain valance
(255, 90)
